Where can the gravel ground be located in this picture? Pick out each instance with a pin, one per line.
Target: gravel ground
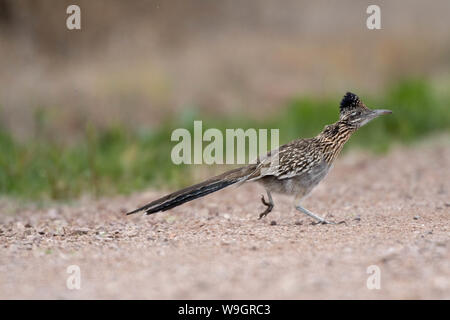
(396, 209)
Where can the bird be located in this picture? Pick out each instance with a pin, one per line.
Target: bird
(292, 169)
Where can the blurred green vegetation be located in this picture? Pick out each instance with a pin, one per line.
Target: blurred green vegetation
(122, 160)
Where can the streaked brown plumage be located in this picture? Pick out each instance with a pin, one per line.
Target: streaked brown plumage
(294, 168)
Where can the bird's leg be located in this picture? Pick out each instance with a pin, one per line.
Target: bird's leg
(269, 205)
(319, 219)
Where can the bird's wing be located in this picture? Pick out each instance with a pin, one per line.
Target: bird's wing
(288, 161)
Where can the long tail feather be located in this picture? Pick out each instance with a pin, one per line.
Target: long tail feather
(196, 191)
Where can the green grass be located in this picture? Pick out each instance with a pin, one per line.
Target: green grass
(119, 160)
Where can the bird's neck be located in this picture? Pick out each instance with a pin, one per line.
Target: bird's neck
(333, 138)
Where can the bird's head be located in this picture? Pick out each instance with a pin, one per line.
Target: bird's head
(355, 112)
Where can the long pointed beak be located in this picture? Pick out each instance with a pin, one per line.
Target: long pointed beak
(374, 114)
(379, 112)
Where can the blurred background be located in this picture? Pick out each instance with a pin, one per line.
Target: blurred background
(91, 111)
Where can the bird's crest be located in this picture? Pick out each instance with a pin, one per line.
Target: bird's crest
(350, 102)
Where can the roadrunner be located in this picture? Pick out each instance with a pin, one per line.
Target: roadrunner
(294, 168)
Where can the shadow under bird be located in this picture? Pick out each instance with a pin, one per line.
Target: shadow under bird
(294, 168)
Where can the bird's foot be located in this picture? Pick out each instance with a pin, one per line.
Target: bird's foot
(268, 209)
(327, 222)
(324, 221)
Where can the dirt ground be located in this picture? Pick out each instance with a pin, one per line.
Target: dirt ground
(396, 209)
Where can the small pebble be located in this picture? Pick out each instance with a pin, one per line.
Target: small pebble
(273, 223)
(416, 217)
